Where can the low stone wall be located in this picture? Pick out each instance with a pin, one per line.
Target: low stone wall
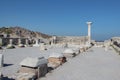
(72, 40)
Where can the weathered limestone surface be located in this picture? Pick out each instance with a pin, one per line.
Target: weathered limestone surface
(95, 64)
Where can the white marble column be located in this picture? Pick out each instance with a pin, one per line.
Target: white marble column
(19, 41)
(54, 39)
(11, 41)
(27, 42)
(1, 60)
(36, 43)
(89, 32)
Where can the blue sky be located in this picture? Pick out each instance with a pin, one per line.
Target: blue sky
(63, 17)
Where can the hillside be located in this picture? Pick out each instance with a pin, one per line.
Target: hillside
(22, 32)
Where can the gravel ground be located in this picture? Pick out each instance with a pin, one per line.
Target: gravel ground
(96, 64)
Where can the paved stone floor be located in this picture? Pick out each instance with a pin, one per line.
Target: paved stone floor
(95, 64)
(12, 57)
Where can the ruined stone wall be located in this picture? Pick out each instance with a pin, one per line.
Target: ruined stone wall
(116, 41)
(6, 41)
(72, 40)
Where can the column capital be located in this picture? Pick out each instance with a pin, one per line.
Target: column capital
(89, 23)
